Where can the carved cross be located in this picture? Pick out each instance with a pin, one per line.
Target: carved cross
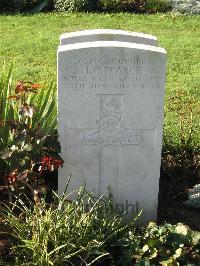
(111, 131)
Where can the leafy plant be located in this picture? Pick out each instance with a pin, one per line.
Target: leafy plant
(108, 5)
(168, 245)
(194, 197)
(7, 110)
(45, 115)
(153, 6)
(29, 144)
(84, 231)
(186, 6)
(72, 5)
(136, 6)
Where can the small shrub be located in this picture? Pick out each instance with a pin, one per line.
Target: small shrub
(153, 6)
(167, 245)
(135, 6)
(194, 197)
(74, 5)
(108, 5)
(186, 6)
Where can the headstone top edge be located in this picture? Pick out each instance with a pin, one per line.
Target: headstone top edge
(117, 44)
(107, 31)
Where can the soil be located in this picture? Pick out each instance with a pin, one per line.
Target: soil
(175, 181)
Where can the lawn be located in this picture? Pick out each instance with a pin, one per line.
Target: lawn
(31, 43)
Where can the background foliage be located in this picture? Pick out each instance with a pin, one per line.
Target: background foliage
(186, 6)
(71, 5)
(134, 6)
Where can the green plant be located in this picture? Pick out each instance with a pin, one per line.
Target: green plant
(108, 5)
(46, 114)
(84, 231)
(194, 197)
(186, 6)
(153, 6)
(72, 5)
(167, 245)
(7, 111)
(133, 5)
(122, 5)
(29, 144)
(136, 6)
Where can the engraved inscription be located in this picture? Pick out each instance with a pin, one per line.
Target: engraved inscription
(118, 74)
(111, 127)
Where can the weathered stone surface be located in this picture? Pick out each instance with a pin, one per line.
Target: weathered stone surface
(107, 35)
(110, 114)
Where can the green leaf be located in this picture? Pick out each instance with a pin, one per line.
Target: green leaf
(195, 237)
(6, 154)
(57, 249)
(181, 229)
(145, 248)
(178, 253)
(28, 147)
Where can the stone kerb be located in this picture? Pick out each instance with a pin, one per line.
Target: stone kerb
(107, 35)
(110, 119)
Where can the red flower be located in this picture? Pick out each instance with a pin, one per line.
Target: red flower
(25, 86)
(36, 86)
(16, 97)
(20, 87)
(12, 177)
(50, 163)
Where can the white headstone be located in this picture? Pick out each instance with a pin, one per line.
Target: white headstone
(107, 35)
(110, 114)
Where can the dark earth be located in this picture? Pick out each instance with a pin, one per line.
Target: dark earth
(178, 175)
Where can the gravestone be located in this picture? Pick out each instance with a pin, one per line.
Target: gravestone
(110, 118)
(107, 35)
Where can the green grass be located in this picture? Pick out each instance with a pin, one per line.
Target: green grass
(31, 43)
